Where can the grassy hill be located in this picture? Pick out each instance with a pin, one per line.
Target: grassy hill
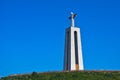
(72, 75)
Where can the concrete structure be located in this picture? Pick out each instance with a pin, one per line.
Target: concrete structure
(73, 50)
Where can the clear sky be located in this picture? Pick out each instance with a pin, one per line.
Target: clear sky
(32, 34)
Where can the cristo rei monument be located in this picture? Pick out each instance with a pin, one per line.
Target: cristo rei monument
(73, 50)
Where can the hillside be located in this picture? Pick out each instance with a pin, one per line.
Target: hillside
(72, 75)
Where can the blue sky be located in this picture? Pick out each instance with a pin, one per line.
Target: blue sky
(32, 34)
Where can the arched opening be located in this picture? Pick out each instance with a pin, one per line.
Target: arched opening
(76, 50)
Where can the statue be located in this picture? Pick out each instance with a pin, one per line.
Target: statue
(72, 19)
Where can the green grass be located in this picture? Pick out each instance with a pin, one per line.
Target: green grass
(73, 75)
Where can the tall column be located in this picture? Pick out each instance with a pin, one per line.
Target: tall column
(73, 49)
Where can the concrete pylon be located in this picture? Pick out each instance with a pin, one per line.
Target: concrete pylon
(73, 50)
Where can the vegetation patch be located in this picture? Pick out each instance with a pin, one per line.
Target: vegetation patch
(72, 75)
